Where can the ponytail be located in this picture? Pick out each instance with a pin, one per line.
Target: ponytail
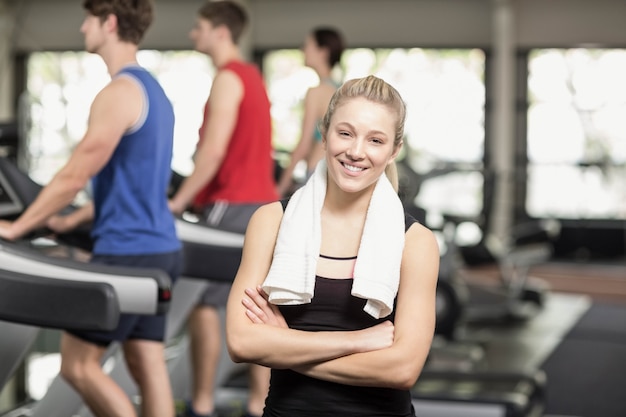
(391, 170)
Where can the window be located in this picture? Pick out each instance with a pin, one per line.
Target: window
(62, 85)
(577, 134)
(445, 95)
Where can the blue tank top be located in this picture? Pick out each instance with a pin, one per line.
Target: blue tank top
(131, 212)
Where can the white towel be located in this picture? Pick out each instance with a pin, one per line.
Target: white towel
(291, 278)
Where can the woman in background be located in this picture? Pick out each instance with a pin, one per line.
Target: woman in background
(322, 49)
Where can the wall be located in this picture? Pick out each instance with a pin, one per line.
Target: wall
(53, 24)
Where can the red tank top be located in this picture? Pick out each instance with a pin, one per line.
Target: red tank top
(247, 171)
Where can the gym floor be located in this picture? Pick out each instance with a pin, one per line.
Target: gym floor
(601, 281)
(578, 339)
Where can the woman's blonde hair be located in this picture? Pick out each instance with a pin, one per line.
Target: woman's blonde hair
(378, 91)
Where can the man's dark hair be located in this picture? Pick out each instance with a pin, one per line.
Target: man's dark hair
(134, 17)
(227, 13)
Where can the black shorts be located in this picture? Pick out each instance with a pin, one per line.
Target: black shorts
(135, 326)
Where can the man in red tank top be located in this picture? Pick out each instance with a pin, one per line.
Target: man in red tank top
(233, 175)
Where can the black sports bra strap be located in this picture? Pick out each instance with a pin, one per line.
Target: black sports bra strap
(408, 219)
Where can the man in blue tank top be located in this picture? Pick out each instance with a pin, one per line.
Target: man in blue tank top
(127, 151)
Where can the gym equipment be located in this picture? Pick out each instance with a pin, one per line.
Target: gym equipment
(27, 301)
(9, 138)
(515, 297)
(441, 394)
(37, 290)
(452, 383)
(208, 252)
(452, 293)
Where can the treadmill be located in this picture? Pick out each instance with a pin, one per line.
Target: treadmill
(209, 254)
(40, 291)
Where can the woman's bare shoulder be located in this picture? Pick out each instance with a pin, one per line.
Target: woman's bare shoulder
(422, 236)
(267, 216)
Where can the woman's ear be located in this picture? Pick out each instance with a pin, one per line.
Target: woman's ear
(395, 153)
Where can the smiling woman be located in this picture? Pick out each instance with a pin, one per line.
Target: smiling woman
(356, 342)
(369, 120)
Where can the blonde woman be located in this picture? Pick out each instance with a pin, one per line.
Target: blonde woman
(336, 288)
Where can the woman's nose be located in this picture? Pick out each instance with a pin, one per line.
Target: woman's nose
(356, 149)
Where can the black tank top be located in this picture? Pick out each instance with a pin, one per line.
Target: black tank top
(292, 394)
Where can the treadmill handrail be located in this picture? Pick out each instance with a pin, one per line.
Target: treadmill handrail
(140, 290)
(209, 253)
(204, 234)
(57, 303)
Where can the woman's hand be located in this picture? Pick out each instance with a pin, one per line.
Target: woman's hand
(260, 311)
(376, 337)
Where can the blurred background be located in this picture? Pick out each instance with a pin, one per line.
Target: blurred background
(515, 134)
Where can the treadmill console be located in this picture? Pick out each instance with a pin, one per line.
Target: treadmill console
(9, 202)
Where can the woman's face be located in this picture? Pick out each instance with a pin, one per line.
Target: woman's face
(313, 53)
(360, 143)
